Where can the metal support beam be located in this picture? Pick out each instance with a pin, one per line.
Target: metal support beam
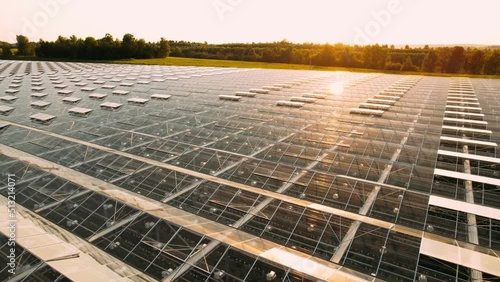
(347, 240)
(115, 226)
(471, 218)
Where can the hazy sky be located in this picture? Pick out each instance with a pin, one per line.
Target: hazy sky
(218, 21)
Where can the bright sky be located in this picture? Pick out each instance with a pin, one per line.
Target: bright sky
(219, 21)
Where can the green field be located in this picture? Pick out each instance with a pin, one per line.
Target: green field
(175, 61)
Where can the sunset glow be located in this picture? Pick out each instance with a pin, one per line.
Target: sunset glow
(218, 21)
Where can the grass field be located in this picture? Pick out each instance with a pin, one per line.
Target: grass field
(175, 61)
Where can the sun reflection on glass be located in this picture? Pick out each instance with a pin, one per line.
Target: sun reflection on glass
(337, 88)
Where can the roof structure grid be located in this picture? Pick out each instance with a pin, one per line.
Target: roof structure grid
(168, 173)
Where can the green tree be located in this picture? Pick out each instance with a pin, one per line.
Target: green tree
(457, 60)
(346, 56)
(393, 66)
(475, 62)
(326, 57)
(145, 50)
(24, 46)
(269, 55)
(129, 46)
(408, 65)
(90, 48)
(492, 64)
(285, 55)
(430, 61)
(164, 49)
(109, 48)
(177, 52)
(6, 52)
(374, 56)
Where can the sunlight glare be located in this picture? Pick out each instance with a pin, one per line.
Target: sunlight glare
(337, 88)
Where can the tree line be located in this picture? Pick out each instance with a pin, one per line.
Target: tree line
(106, 48)
(457, 59)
